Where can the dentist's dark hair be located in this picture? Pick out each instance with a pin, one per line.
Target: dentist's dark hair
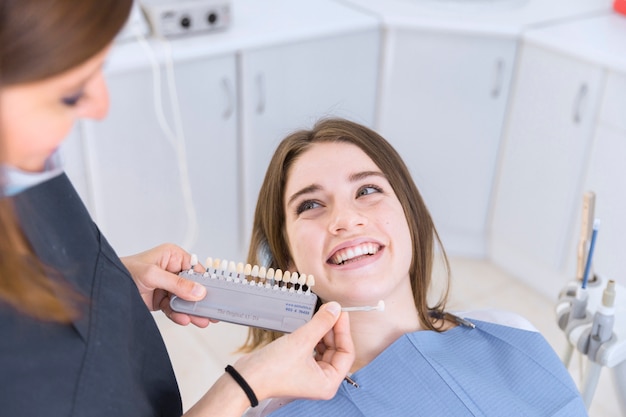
(269, 219)
(40, 39)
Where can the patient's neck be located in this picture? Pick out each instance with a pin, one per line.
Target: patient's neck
(374, 331)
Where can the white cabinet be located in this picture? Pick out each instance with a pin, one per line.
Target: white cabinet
(150, 186)
(280, 67)
(289, 86)
(606, 176)
(444, 96)
(546, 145)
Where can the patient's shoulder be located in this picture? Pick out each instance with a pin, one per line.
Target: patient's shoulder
(502, 317)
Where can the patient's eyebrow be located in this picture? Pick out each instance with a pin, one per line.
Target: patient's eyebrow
(306, 190)
(364, 174)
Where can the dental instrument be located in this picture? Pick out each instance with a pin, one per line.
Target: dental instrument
(588, 209)
(594, 235)
(591, 311)
(378, 307)
(573, 312)
(601, 332)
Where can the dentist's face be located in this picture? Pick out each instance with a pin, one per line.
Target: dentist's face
(35, 117)
(346, 226)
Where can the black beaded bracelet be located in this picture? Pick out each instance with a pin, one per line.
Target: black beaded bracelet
(243, 384)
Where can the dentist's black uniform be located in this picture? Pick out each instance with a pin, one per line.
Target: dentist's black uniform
(109, 362)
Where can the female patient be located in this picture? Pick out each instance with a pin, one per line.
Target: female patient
(340, 204)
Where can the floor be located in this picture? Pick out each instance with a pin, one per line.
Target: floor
(200, 355)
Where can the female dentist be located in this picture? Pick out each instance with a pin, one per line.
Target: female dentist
(77, 336)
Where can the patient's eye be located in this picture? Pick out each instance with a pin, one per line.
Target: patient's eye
(367, 190)
(306, 205)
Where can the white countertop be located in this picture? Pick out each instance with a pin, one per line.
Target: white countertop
(255, 24)
(488, 17)
(599, 39)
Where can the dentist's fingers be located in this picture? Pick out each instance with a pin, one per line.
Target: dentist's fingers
(182, 319)
(303, 375)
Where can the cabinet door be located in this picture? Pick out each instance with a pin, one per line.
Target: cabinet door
(606, 177)
(443, 102)
(547, 142)
(149, 186)
(288, 87)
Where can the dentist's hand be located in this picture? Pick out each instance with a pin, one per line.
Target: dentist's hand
(291, 368)
(155, 273)
(287, 367)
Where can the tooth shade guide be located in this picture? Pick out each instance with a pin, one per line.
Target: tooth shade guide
(261, 303)
(232, 270)
(270, 277)
(301, 282)
(278, 277)
(208, 263)
(293, 281)
(247, 270)
(310, 282)
(286, 279)
(254, 273)
(262, 274)
(216, 267)
(240, 277)
(223, 267)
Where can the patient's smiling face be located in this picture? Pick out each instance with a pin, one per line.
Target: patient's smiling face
(346, 226)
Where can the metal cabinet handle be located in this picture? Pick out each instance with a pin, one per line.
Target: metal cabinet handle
(579, 103)
(260, 82)
(230, 98)
(496, 89)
